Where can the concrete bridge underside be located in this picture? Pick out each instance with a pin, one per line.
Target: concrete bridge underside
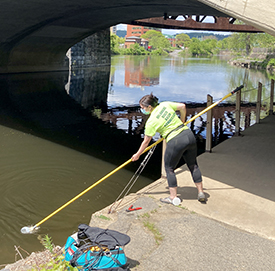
(35, 35)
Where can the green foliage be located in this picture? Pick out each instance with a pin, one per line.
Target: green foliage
(152, 228)
(205, 47)
(57, 262)
(157, 40)
(271, 62)
(194, 47)
(183, 40)
(159, 43)
(264, 40)
(185, 53)
(245, 42)
(159, 52)
(264, 63)
(223, 44)
(115, 44)
(242, 42)
(239, 43)
(152, 34)
(135, 49)
(46, 241)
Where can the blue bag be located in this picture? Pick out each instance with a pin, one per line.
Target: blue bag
(96, 249)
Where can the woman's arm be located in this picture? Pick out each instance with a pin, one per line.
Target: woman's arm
(142, 147)
(182, 109)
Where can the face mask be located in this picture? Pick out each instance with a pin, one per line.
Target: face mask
(144, 112)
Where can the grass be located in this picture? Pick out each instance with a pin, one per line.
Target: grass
(46, 241)
(103, 217)
(151, 226)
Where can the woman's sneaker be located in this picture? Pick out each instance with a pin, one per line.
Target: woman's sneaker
(176, 201)
(201, 197)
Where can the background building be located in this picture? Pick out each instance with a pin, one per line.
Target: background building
(137, 30)
(131, 41)
(113, 29)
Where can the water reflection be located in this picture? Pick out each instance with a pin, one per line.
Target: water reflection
(141, 72)
(89, 87)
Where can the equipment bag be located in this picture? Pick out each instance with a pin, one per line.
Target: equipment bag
(96, 249)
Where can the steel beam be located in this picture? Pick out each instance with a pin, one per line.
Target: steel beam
(219, 24)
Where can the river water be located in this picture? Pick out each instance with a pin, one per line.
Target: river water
(61, 132)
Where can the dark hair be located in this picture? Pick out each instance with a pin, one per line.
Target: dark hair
(149, 100)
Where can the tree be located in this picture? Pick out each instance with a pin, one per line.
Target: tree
(223, 44)
(157, 40)
(150, 34)
(265, 40)
(194, 47)
(242, 41)
(115, 43)
(183, 40)
(205, 47)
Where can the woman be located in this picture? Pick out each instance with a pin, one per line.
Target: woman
(180, 142)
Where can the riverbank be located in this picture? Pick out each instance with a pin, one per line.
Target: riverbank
(258, 59)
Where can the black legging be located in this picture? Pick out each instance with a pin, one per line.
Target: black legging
(182, 145)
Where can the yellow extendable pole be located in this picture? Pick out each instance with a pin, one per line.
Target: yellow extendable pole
(83, 192)
(127, 162)
(214, 104)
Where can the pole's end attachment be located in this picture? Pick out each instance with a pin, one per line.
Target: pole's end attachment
(29, 229)
(237, 89)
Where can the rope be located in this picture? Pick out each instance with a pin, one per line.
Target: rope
(133, 179)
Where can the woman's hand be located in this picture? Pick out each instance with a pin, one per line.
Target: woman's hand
(142, 147)
(135, 157)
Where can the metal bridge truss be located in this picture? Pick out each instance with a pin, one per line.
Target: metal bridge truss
(196, 22)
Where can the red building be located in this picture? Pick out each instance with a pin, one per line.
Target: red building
(134, 33)
(132, 40)
(137, 30)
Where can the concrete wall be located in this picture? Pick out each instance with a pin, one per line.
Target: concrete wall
(92, 51)
(262, 53)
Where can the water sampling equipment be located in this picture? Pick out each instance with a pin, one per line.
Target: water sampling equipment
(33, 229)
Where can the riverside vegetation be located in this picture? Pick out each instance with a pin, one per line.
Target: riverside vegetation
(238, 45)
(52, 258)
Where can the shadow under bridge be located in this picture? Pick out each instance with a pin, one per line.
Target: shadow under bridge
(38, 104)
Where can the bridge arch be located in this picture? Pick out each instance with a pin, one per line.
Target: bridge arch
(35, 35)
